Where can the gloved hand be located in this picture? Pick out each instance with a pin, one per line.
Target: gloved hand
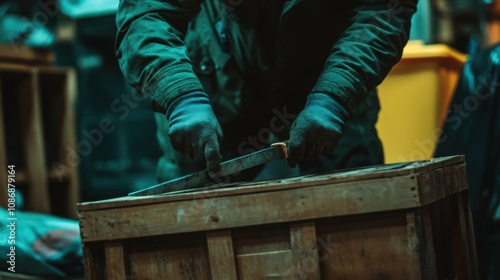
(194, 130)
(317, 129)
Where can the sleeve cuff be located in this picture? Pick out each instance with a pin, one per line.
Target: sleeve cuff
(343, 86)
(168, 84)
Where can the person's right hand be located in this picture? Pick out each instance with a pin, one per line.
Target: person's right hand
(194, 130)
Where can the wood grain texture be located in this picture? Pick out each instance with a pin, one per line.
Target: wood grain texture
(38, 198)
(88, 263)
(414, 237)
(450, 262)
(400, 227)
(409, 170)
(442, 182)
(365, 247)
(466, 236)
(115, 261)
(282, 205)
(259, 250)
(94, 260)
(221, 255)
(470, 234)
(305, 259)
(427, 254)
(237, 211)
(269, 265)
(261, 238)
(169, 257)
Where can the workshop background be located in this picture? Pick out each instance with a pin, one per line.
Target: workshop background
(76, 131)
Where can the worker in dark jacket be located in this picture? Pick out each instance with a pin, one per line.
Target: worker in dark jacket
(260, 71)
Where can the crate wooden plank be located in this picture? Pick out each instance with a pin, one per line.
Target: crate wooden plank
(428, 182)
(470, 233)
(274, 207)
(413, 224)
(466, 236)
(115, 258)
(372, 246)
(255, 246)
(268, 265)
(173, 257)
(90, 268)
(382, 172)
(221, 255)
(33, 144)
(287, 204)
(427, 256)
(450, 259)
(305, 260)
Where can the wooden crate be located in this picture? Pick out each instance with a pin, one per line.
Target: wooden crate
(37, 128)
(400, 221)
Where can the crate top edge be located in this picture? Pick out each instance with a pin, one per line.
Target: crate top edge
(368, 173)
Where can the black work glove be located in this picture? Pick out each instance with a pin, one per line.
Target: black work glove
(194, 130)
(317, 129)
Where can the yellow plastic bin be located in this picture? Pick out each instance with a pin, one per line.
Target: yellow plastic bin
(414, 98)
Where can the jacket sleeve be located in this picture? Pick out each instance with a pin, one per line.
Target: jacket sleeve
(151, 51)
(365, 53)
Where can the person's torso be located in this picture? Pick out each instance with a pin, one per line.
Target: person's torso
(256, 55)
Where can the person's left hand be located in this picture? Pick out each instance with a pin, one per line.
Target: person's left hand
(317, 129)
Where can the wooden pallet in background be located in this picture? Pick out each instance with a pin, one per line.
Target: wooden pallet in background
(37, 124)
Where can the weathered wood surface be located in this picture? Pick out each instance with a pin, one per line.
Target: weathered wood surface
(172, 257)
(410, 226)
(38, 198)
(426, 239)
(221, 255)
(305, 259)
(115, 260)
(381, 172)
(372, 246)
(250, 209)
(270, 206)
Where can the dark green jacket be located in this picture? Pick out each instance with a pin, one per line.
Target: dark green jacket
(343, 48)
